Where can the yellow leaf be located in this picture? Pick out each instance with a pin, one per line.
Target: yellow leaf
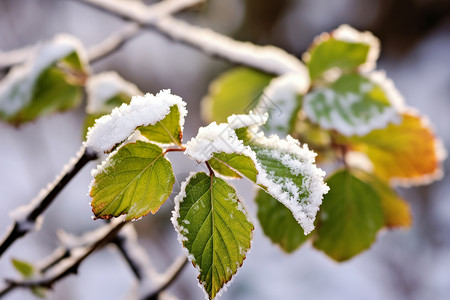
(406, 154)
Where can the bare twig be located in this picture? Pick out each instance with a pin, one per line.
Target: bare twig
(60, 264)
(170, 276)
(266, 58)
(115, 41)
(26, 218)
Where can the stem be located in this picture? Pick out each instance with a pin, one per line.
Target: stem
(211, 171)
(179, 149)
(23, 225)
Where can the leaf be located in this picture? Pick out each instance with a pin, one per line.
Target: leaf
(350, 217)
(214, 228)
(49, 82)
(134, 180)
(406, 153)
(166, 131)
(353, 104)
(345, 48)
(111, 130)
(278, 223)
(282, 100)
(106, 91)
(24, 268)
(228, 164)
(234, 92)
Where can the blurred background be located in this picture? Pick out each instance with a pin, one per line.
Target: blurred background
(415, 39)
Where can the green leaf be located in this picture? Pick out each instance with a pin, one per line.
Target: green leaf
(234, 92)
(47, 83)
(214, 228)
(135, 180)
(345, 48)
(278, 223)
(24, 268)
(40, 292)
(349, 218)
(232, 164)
(166, 131)
(351, 105)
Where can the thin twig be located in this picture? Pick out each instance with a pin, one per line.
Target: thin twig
(269, 59)
(68, 265)
(26, 217)
(171, 275)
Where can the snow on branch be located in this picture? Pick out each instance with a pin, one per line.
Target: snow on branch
(267, 58)
(27, 218)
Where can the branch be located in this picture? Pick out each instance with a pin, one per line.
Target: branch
(269, 59)
(171, 274)
(26, 218)
(58, 267)
(142, 267)
(114, 42)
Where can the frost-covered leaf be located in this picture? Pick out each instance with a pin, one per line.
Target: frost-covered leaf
(214, 228)
(106, 91)
(345, 48)
(406, 153)
(111, 130)
(278, 223)
(166, 131)
(232, 164)
(354, 104)
(234, 92)
(48, 82)
(284, 168)
(134, 180)
(282, 100)
(349, 218)
(24, 268)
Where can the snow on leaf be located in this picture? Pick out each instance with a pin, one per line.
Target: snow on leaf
(167, 131)
(344, 49)
(116, 127)
(278, 223)
(48, 82)
(354, 104)
(406, 154)
(134, 180)
(287, 172)
(106, 91)
(234, 92)
(214, 228)
(103, 90)
(350, 217)
(281, 99)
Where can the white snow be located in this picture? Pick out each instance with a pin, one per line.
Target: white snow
(116, 127)
(279, 100)
(102, 87)
(17, 87)
(299, 160)
(214, 138)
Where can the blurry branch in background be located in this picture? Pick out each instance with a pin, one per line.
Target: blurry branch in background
(28, 218)
(115, 41)
(269, 59)
(66, 259)
(25, 217)
(139, 262)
